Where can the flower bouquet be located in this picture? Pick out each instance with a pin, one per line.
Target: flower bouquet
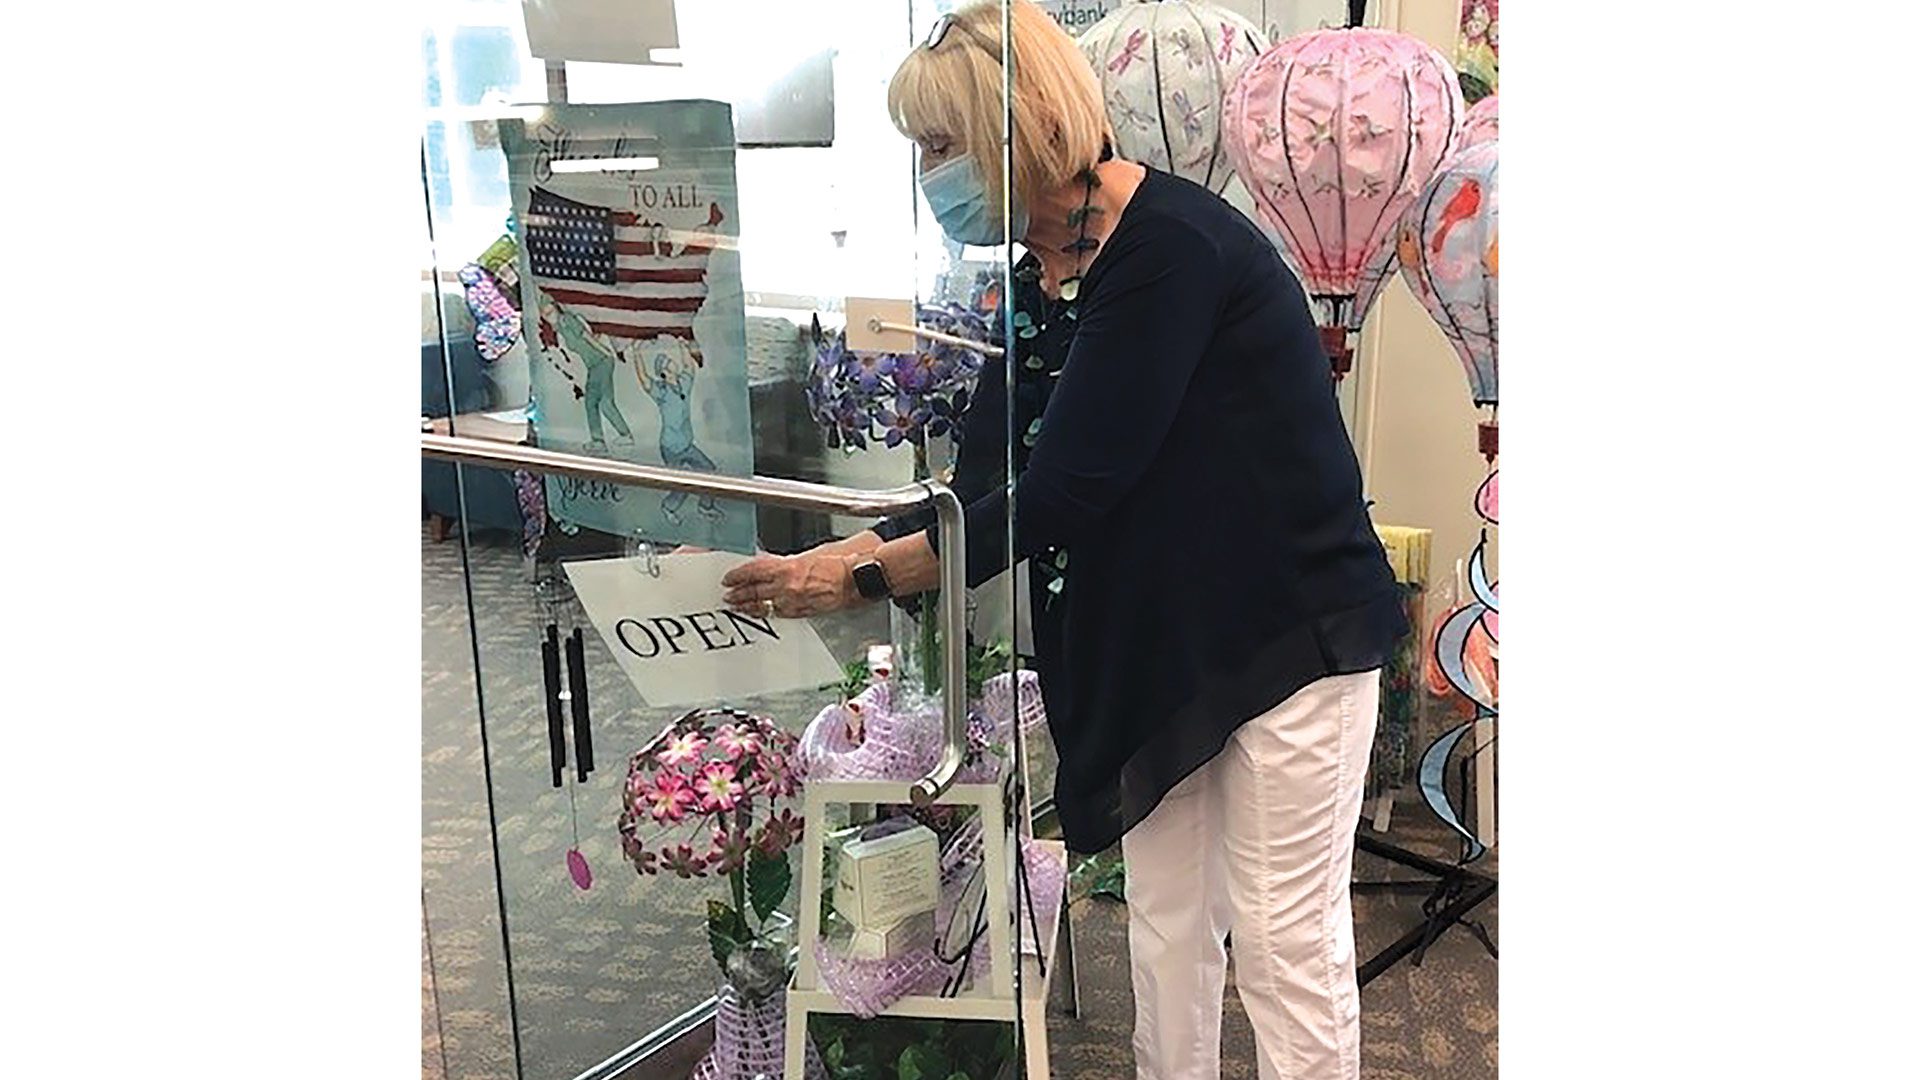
(711, 795)
(892, 399)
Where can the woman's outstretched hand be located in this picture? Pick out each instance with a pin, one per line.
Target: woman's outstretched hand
(791, 586)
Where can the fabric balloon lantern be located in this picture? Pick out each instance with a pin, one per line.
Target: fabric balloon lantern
(1163, 70)
(1483, 122)
(1450, 253)
(1336, 133)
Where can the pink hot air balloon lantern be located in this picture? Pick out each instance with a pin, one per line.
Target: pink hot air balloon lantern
(1450, 254)
(1336, 133)
(1483, 122)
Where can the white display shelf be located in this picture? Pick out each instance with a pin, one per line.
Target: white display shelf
(991, 998)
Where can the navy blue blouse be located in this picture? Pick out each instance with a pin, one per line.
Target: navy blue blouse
(1189, 498)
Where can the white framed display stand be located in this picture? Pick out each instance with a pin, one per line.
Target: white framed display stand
(991, 998)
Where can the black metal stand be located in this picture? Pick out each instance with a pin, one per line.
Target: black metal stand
(1453, 892)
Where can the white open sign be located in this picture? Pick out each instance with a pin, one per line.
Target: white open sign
(678, 643)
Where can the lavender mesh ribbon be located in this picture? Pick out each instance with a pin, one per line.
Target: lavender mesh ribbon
(749, 1041)
(869, 987)
(902, 745)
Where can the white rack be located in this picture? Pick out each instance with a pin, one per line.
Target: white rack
(991, 998)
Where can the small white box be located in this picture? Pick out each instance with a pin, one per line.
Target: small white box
(913, 932)
(884, 877)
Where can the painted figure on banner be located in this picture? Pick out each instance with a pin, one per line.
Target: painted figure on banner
(667, 367)
(628, 217)
(578, 343)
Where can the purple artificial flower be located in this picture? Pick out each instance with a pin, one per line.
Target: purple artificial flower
(923, 371)
(904, 421)
(869, 368)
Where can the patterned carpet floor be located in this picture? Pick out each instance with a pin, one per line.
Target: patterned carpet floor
(592, 971)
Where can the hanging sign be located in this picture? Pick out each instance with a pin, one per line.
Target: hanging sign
(680, 645)
(632, 309)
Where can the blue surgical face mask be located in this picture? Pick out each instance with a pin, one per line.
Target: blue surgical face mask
(958, 196)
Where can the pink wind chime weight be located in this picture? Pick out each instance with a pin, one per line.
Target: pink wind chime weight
(1335, 133)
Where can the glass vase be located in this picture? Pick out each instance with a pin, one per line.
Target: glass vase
(749, 1040)
(915, 627)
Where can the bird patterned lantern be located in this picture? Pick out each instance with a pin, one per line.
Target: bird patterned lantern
(1449, 247)
(1335, 134)
(1163, 70)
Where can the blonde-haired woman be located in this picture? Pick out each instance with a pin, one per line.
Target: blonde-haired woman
(1210, 652)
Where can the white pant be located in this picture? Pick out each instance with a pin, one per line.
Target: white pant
(1259, 842)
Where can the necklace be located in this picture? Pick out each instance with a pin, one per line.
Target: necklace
(1082, 244)
(1052, 563)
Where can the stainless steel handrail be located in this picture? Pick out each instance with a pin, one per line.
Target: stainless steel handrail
(949, 514)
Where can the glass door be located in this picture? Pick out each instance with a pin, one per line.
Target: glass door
(653, 263)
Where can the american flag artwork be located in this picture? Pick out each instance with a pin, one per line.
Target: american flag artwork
(634, 311)
(629, 277)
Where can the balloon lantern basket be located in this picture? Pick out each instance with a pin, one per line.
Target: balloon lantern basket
(1489, 440)
(1452, 892)
(1339, 353)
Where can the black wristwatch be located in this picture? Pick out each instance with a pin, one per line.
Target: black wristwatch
(870, 580)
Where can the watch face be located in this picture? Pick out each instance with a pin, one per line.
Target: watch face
(870, 581)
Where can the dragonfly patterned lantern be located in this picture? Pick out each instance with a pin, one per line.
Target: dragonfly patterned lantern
(1336, 133)
(1483, 122)
(1449, 249)
(1163, 70)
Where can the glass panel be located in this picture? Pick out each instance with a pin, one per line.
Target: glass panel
(631, 261)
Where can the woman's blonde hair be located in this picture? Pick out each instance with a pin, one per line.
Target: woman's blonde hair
(954, 91)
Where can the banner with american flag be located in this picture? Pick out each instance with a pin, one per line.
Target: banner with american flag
(630, 286)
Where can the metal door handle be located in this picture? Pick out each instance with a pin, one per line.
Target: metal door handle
(771, 491)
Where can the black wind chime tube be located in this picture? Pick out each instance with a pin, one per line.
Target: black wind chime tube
(1356, 13)
(556, 726)
(577, 686)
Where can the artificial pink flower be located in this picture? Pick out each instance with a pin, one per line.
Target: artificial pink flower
(718, 787)
(730, 849)
(684, 863)
(737, 741)
(683, 747)
(775, 776)
(781, 831)
(671, 797)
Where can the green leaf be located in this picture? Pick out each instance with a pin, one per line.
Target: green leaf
(835, 1053)
(923, 1061)
(721, 936)
(854, 677)
(768, 879)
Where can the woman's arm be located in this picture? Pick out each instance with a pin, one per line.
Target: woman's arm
(1140, 336)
